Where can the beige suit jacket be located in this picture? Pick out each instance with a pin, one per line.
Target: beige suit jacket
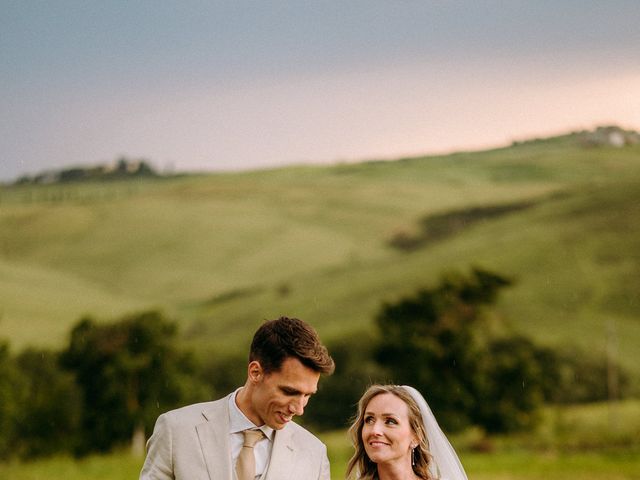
(192, 443)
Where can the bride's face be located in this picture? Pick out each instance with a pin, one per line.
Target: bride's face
(386, 432)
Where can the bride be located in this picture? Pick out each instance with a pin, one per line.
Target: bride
(396, 437)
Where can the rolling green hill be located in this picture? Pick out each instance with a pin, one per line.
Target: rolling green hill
(221, 252)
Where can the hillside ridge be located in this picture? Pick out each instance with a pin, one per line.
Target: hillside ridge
(125, 168)
(220, 253)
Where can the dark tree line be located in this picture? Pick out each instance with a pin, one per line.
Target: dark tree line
(40, 405)
(108, 385)
(123, 168)
(105, 389)
(446, 342)
(127, 371)
(441, 342)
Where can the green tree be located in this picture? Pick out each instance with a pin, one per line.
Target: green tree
(223, 374)
(48, 422)
(128, 371)
(441, 341)
(433, 341)
(581, 377)
(510, 384)
(334, 404)
(12, 399)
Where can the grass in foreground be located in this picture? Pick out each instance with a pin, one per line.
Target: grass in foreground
(584, 442)
(116, 466)
(614, 465)
(617, 465)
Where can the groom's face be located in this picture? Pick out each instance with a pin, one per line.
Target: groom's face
(280, 395)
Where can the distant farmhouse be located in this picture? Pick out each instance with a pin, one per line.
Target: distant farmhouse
(611, 136)
(604, 136)
(122, 168)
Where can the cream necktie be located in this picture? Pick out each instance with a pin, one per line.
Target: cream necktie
(246, 463)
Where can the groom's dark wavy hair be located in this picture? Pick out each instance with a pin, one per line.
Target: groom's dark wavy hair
(286, 337)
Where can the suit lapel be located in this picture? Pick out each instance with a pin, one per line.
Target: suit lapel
(214, 440)
(283, 456)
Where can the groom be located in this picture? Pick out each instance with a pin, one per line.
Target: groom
(249, 434)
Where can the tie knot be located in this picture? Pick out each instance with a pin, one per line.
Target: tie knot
(251, 437)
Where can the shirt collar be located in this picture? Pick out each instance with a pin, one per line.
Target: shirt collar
(238, 421)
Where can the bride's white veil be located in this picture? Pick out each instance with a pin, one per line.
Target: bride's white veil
(446, 464)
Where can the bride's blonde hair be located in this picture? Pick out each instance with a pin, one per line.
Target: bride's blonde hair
(360, 465)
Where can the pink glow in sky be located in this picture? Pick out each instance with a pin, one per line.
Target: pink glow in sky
(237, 85)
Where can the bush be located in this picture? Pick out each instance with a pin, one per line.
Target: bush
(49, 420)
(435, 341)
(128, 371)
(12, 399)
(335, 403)
(509, 386)
(583, 377)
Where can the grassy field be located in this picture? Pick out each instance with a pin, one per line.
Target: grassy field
(502, 466)
(222, 252)
(572, 442)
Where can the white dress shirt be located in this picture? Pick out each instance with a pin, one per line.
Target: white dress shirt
(238, 423)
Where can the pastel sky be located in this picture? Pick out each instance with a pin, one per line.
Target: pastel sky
(210, 85)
